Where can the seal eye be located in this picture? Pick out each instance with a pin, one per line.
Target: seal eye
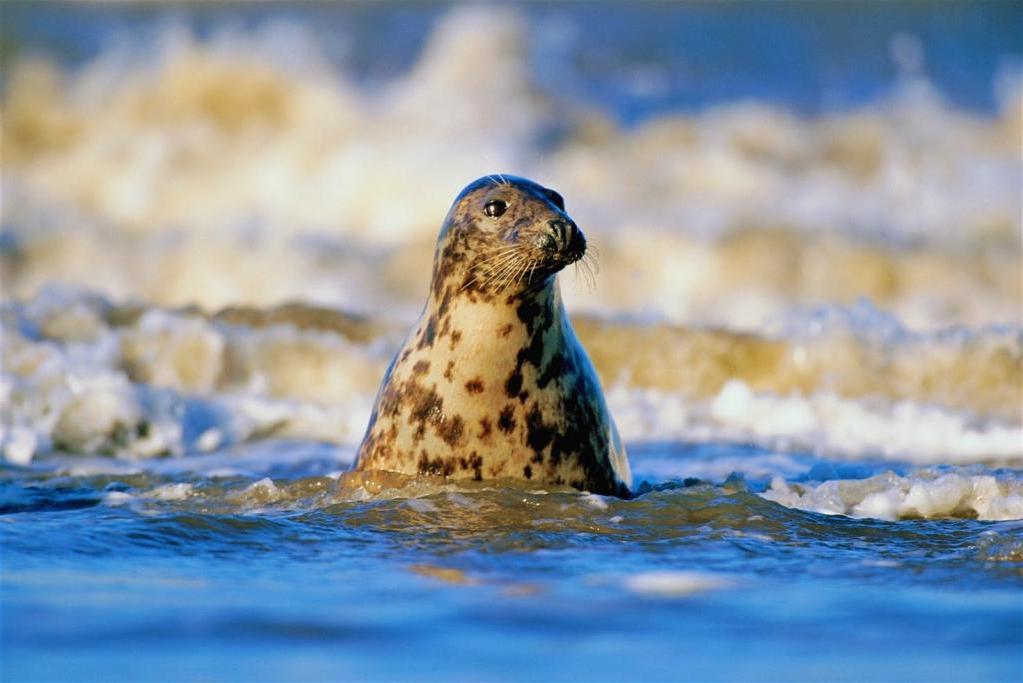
(495, 208)
(556, 198)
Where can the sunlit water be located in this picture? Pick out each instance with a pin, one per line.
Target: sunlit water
(808, 323)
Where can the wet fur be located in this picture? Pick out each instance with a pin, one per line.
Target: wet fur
(491, 382)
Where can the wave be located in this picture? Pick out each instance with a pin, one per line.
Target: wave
(83, 374)
(216, 172)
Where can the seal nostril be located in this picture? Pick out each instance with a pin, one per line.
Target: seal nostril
(560, 229)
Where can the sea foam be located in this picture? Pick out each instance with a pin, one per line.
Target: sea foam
(83, 374)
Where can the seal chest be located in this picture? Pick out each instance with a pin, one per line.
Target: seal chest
(492, 382)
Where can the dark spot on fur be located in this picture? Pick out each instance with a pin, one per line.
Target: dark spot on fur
(554, 369)
(473, 462)
(440, 467)
(451, 429)
(445, 302)
(426, 405)
(538, 434)
(456, 337)
(506, 422)
(485, 427)
(474, 386)
(429, 334)
(421, 367)
(528, 311)
(448, 374)
(504, 330)
(406, 354)
(513, 385)
(532, 353)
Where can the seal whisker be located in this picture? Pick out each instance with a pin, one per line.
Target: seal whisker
(496, 256)
(501, 251)
(585, 271)
(532, 269)
(500, 275)
(528, 272)
(588, 276)
(491, 265)
(516, 275)
(579, 277)
(512, 274)
(504, 260)
(519, 276)
(487, 278)
(520, 271)
(496, 260)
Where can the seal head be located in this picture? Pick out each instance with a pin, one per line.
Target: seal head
(492, 382)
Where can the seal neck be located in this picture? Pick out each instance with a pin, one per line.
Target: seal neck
(534, 308)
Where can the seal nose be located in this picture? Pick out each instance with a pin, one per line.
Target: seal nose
(577, 244)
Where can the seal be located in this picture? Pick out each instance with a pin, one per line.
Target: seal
(492, 382)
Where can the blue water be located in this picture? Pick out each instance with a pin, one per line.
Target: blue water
(223, 585)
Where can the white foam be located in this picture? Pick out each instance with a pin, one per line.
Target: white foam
(259, 493)
(821, 422)
(179, 491)
(673, 584)
(116, 498)
(18, 444)
(926, 493)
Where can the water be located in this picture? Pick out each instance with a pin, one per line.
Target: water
(808, 322)
(183, 572)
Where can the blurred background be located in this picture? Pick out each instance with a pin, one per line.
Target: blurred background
(729, 162)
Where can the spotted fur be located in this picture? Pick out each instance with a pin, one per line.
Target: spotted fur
(491, 382)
